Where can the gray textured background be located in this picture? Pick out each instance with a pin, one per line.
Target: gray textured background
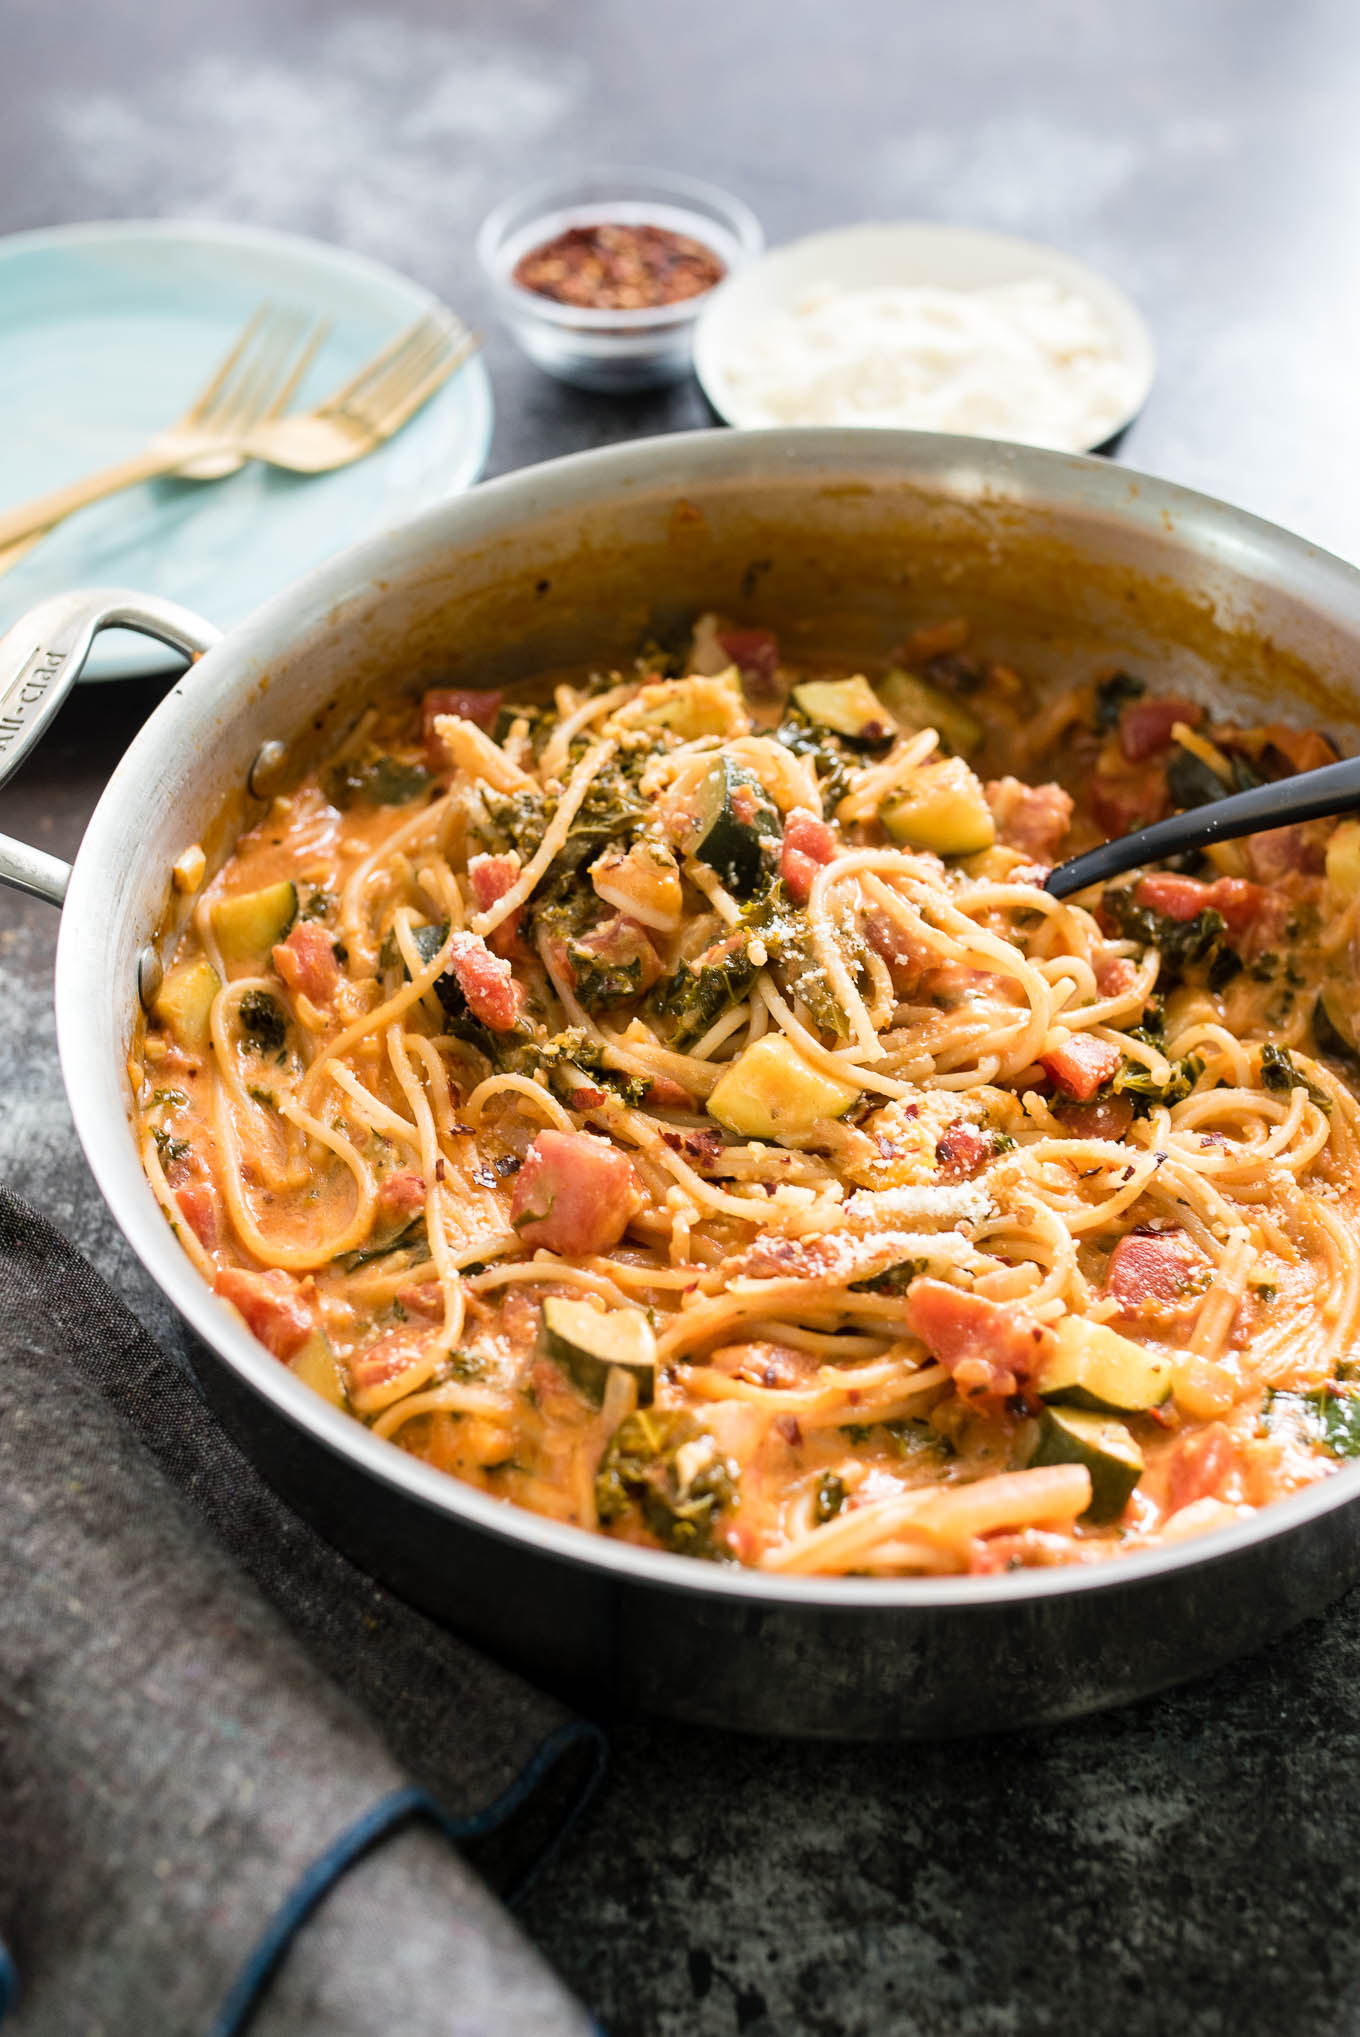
(1186, 1866)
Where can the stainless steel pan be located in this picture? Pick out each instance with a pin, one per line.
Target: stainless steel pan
(836, 537)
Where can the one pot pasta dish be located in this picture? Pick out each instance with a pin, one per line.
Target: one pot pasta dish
(668, 1100)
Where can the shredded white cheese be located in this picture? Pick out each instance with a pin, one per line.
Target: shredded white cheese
(1029, 361)
(928, 1204)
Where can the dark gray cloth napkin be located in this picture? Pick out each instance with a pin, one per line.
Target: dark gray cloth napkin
(230, 1764)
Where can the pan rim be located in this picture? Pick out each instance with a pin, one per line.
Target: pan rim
(994, 467)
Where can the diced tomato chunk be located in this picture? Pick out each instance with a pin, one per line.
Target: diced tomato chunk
(1150, 1266)
(421, 1298)
(271, 1305)
(306, 961)
(486, 981)
(960, 1150)
(1302, 749)
(1114, 975)
(1281, 852)
(1145, 726)
(904, 955)
(198, 1204)
(1182, 898)
(1031, 818)
(1200, 1463)
(1082, 1064)
(667, 1094)
(1128, 799)
(399, 1197)
(1178, 898)
(491, 877)
(988, 1346)
(755, 653)
(808, 844)
(574, 1194)
(1240, 903)
(472, 703)
(386, 1360)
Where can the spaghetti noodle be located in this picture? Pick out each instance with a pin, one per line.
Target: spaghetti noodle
(671, 1102)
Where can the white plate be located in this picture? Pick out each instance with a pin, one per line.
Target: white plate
(107, 332)
(862, 257)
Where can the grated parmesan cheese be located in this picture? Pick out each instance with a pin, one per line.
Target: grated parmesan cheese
(1028, 361)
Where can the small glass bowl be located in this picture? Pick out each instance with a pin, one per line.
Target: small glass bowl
(611, 350)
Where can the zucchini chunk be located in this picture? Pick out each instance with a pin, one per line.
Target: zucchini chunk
(184, 1000)
(1094, 1367)
(643, 881)
(694, 707)
(315, 1364)
(944, 811)
(1104, 1446)
(1343, 860)
(849, 707)
(1334, 1022)
(771, 1092)
(916, 704)
(248, 925)
(734, 814)
(588, 1343)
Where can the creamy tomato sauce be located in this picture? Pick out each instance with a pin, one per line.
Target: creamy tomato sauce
(669, 1101)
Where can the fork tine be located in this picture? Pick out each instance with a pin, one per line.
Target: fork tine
(438, 322)
(421, 392)
(209, 393)
(401, 374)
(341, 397)
(311, 346)
(252, 388)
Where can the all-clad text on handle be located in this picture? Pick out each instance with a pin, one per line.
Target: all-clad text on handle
(41, 658)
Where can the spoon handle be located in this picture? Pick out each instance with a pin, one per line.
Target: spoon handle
(1311, 795)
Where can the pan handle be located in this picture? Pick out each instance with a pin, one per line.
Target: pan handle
(40, 660)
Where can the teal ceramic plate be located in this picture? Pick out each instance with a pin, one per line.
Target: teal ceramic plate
(107, 333)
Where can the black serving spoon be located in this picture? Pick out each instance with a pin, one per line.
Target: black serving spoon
(1310, 795)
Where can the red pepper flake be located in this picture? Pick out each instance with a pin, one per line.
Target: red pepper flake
(619, 268)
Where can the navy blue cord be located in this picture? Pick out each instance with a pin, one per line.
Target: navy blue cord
(351, 1845)
(9, 1981)
(575, 1733)
(376, 1824)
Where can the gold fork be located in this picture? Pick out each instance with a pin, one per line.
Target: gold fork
(362, 414)
(253, 384)
(374, 404)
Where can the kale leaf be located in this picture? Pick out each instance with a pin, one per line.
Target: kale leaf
(1113, 696)
(1192, 782)
(168, 1147)
(262, 1021)
(378, 781)
(893, 1279)
(1326, 1415)
(830, 1498)
(519, 820)
(1280, 1071)
(566, 1058)
(681, 1495)
(1181, 943)
(701, 991)
(824, 751)
(405, 1240)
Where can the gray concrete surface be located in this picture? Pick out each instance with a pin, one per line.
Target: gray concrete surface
(1188, 1866)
